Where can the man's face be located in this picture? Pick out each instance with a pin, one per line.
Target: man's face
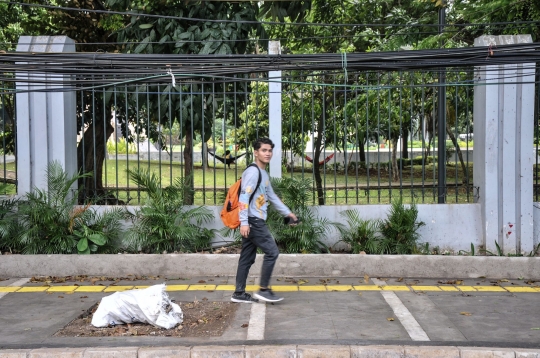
(264, 154)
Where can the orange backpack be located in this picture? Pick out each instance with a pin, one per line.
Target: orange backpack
(231, 208)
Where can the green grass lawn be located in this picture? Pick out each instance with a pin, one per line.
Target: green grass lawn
(355, 187)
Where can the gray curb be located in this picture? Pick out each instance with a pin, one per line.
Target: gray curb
(309, 265)
(305, 351)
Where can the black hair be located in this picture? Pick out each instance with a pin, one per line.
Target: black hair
(259, 141)
(227, 152)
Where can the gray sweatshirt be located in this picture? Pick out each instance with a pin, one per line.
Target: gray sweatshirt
(259, 205)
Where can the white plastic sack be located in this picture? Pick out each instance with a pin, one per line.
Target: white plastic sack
(150, 305)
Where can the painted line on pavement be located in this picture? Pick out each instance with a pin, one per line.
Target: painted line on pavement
(15, 284)
(257, 322)
(413, 328)
(18, 287)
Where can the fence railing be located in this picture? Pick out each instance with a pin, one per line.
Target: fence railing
(360, 138)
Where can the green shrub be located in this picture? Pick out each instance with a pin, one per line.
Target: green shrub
(400, 230)
(121, 147)
(8, 220)
(360, 235)
(50, 222)
(165, 223)
(307, 236)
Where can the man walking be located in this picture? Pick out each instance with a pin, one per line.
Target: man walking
(255, 233)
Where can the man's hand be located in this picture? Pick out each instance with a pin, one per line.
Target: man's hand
(292, 218)
(244, 231)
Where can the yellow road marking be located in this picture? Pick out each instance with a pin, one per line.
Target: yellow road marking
(490, 288)
(368, 288)
(117, 288)
(466, 288)
(395, 288)
(285, 288)
(176, 287)
(90, 289)
(339, 288)
(425, 288)
(312, 288)
(201, 287)
(520, 289)
(277, 288)
(33, 289)
(62, 288)
(9, 289)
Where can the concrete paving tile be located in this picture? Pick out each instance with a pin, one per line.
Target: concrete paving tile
(14, 353)
(501, 318)
(57, 353)
(437, 326)
(164, 352)
(474, 352)
(377, 352)
(111, 352)
(274, 351)
(217, 352)
(323, 351)
(429, 352)
(33, 317)
(527, 353)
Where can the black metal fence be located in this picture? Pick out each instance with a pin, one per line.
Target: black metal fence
(359, 137)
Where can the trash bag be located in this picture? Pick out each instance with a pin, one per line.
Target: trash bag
(150, 305)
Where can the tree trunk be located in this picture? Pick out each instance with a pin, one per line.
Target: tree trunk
(395, 169)
(188, 168)
(458, 150)
(405, 144)
(363, 140)
(91, 153)
(317, 169)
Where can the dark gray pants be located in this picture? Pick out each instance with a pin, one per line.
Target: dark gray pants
(259, 237)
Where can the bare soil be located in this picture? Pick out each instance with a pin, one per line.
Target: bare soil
(201, 319)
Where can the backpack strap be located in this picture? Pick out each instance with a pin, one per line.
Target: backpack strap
(258, 182)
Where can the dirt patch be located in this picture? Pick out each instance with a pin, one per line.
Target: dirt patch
(201, 319)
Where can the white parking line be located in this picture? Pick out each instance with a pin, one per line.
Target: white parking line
(17, 283)
(257, 322)
(407, 320)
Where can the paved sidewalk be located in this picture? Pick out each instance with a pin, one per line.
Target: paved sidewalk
(403, 316)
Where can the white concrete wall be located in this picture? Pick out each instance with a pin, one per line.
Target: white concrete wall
(450, 227)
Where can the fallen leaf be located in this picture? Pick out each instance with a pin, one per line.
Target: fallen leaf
(399, 279)
(245, 325)
(360, 294)
(60, 296)
(70, 292)
(202, 281)
(459, 282)
(465, 313)
(278, 279)
(84, 296)
(390, 319)
(301, 282)
(503, 280)
(366, 279)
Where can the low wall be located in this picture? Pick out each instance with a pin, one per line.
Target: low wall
(322, 265)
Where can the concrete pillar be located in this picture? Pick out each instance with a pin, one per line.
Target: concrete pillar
(274, 112)
(46, 119)
(503, 149)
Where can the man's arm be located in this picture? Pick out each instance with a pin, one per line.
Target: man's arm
(249, 182)
(276, 202)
